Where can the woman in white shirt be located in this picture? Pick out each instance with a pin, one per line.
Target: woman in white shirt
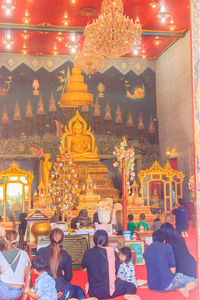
(13, 265)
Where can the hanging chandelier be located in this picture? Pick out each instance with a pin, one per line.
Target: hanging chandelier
(89, 61)
(112, 34)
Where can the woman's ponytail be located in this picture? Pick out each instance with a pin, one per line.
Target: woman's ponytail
(56, 238)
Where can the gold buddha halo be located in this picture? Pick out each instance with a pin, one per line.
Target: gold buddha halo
(76, 93)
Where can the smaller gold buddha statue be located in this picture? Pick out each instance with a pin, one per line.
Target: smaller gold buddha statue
(79, 140)
(88, 198)
(132, 198)
(155, 199)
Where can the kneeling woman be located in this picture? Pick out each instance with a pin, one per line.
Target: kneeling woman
(60, 266)
(102, 265)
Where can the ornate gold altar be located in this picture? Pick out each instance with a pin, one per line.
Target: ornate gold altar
(41, 201)
(136, 205)
(15, 193)
(161, 187)
(80, 142)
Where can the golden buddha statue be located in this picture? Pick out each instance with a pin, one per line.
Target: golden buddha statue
(79, 140)
(79, 143)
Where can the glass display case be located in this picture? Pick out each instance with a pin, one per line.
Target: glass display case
(15, 192)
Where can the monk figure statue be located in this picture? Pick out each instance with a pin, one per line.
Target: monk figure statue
(79, 140)
(46, 169)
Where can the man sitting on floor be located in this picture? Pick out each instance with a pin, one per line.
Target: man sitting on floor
(161, 268)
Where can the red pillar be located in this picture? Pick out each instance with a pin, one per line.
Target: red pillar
(173, 163)
(124, 196)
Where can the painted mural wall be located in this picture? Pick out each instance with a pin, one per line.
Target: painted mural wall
(124, 103)
(31, 121)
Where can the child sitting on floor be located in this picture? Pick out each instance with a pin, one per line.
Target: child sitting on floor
(126, 270)
(143, 223)
(45, 285)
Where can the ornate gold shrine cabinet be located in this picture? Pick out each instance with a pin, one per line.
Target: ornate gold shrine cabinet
(161, 187)
(136, 205)
(93, 183)
(15, 193)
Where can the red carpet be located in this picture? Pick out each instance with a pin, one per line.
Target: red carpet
(80, 277)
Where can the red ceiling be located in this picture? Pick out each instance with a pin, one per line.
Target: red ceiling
(52, 13)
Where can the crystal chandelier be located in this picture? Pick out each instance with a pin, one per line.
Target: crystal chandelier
(89, 61)
(112, 34)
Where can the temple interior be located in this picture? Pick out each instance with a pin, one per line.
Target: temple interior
(120, 127)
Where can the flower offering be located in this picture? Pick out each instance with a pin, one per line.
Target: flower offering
(105, 204)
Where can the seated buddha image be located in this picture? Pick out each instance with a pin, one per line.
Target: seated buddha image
(80, 143)
(79, 140)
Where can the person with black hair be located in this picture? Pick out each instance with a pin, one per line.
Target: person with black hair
(126, 270)
(22, 225)
(102, 265)
(185, 262)
(131, 224)
(161, 267)
(142, 223)
(59, 264)
(22, 230)
(45, 285)
(181, 218)
(156, 224)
